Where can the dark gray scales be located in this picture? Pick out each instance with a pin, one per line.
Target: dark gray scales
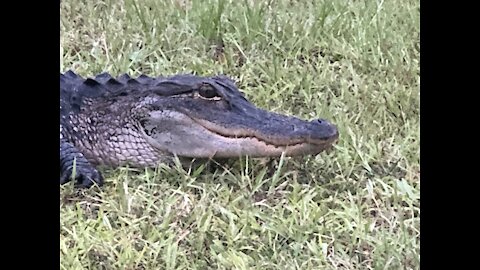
(144, 121)
(74, 90)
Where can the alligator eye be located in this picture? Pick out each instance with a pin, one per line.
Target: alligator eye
(206, 91)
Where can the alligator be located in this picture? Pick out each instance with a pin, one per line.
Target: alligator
(144, 121)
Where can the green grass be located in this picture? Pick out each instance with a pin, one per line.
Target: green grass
(355, 63)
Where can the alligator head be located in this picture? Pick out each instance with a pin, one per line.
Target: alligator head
(213, 119)
(141, 121)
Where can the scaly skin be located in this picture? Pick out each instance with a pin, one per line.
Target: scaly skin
(144, 121)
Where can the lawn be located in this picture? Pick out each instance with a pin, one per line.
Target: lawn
(355, 63)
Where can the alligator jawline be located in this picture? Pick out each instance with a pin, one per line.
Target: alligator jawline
(215, 129)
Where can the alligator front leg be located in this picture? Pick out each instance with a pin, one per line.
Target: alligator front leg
(85, 173)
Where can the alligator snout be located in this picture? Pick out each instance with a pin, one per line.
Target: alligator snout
(324, 130)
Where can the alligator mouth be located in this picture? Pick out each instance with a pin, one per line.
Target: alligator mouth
(271, 141)
(264, 145)
(185, 136)
(262, 148)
